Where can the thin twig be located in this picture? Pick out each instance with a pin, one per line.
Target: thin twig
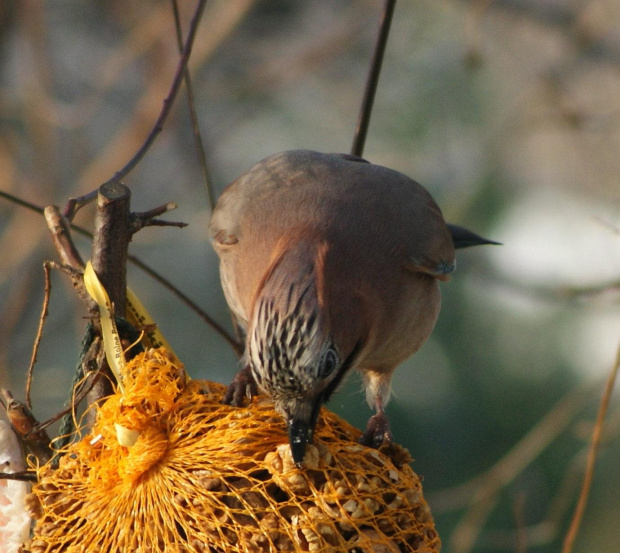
(481, 492)
(162, 223)
(189, 89)
(37, 340)
(234, 344)
(200, 150)
(223, 18)
(33, 439)
(156, 211)
(594, 445)
(40, 210)
(563, 499)
(19, 201)
(75, 204)
(147, 218)
(21, 476)
(61, 236)
(373, 79)
(77, 279)
(78, 394)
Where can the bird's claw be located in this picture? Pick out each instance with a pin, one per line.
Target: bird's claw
(378, 432)
(243, 386)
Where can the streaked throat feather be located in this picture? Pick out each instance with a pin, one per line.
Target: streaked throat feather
(284, 344)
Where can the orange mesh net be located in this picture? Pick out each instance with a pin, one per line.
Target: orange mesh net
(202, 476)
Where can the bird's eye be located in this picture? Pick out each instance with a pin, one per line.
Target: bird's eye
(330, 362)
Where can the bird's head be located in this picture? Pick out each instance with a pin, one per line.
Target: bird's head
(293, 359)
(294, 356)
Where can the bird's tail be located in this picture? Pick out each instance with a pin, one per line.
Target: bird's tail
(464, 238)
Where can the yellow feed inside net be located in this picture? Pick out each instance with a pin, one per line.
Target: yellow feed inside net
(206, 477)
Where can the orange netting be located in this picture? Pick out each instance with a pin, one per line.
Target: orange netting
(208, 477)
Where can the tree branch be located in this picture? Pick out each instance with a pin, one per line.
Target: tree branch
(75, 204)
(200, 149)
(373, 79)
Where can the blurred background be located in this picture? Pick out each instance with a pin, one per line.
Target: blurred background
(508, 111)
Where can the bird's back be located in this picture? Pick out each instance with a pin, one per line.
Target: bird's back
(369, 215)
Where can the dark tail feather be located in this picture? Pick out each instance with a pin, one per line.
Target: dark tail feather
(464, 238)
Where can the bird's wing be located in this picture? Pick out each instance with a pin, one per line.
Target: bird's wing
(261, 202)
(378, 208)
(248, 223)
(408, 219)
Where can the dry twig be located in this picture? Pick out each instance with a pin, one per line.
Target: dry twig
(37, 340)
(480, 493)
(357, 149)
(147, 218)
(74, 204)
(31, 435)
(589, 474)
(189, 89)
(230, 340)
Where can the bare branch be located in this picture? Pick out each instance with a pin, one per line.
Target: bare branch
(480, 493)
(236, 345)
(569, 540)
(76, 203)
(147, 218)
(111, 242)
(33, 438)
(162, 223)
(22, 476)
(373, 79)
(77, 279)
(109, 259)
(200, 149)
(37, 340)
(61, 237)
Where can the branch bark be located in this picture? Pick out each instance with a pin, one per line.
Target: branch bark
(111, 242)
(109, 258)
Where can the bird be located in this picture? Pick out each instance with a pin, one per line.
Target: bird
(330, 264)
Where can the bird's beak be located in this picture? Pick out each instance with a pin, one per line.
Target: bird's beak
(299, 435)
(300, 432)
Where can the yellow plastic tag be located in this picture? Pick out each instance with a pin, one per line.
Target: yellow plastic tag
(111, 340)
(139, 317)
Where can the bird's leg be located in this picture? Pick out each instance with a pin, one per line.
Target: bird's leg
(378, 431)
(243, 386)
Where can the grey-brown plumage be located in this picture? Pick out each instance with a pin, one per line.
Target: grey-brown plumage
(330, 263)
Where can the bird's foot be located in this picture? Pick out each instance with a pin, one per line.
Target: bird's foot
(243, 386)
(378, 432)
